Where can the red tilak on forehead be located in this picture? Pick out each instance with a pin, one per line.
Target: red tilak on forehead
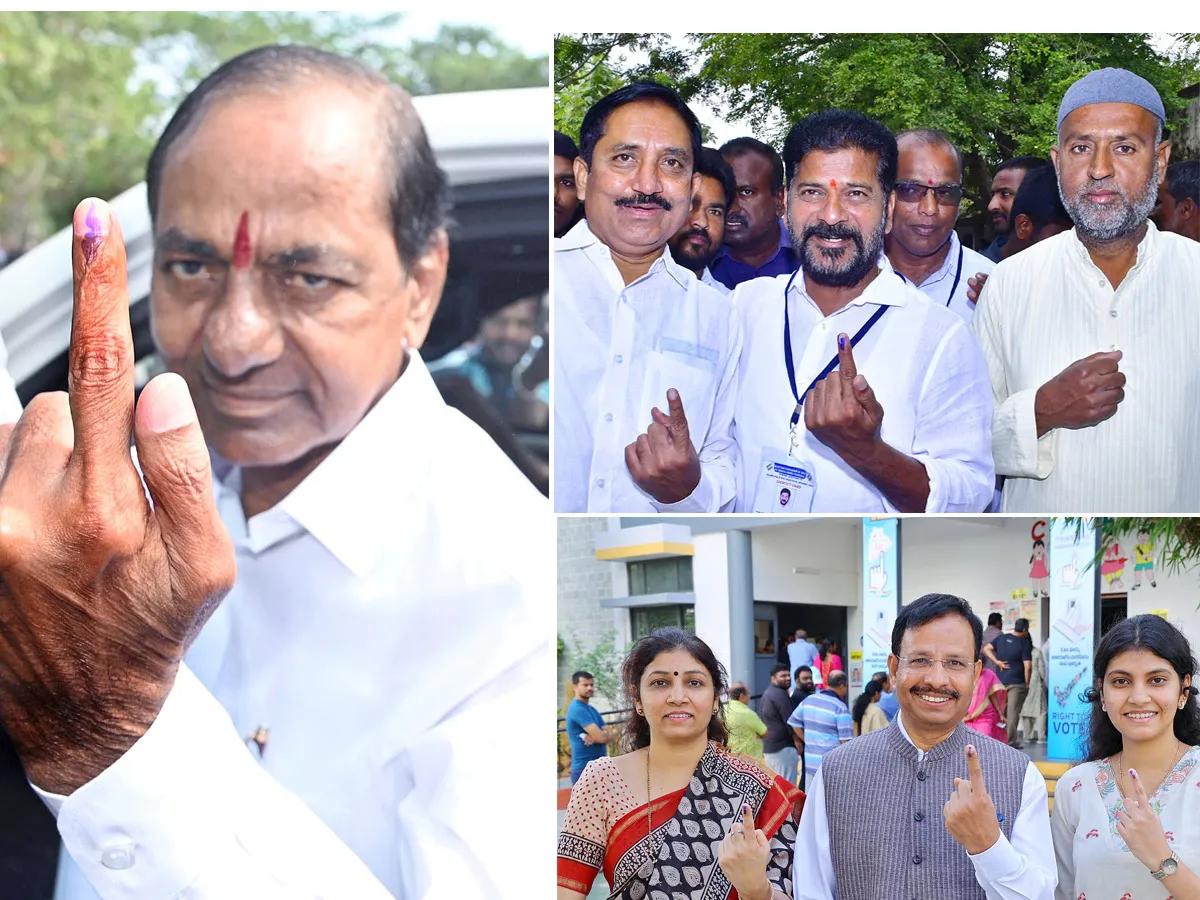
(243, 253)
(833, 182)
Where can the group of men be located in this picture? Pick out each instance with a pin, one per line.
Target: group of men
(744, 330)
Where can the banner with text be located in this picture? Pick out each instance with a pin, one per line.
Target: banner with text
(1074, 590)
(881, 591)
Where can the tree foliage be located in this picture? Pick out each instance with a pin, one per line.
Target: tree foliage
(1176, 540)
(84, 94)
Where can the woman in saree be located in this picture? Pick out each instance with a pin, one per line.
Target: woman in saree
(677, 812)
(987, 706)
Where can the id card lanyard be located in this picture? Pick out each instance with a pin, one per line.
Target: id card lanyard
(829, 367)
(957, 277)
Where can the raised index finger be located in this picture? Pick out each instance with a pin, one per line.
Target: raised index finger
(975, 770)
(101, 378)
(747, 819)
(846, 358)
(678, 421)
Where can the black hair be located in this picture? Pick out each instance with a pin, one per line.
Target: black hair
(738, 691)
(871, 690)
(1038, 198)
(777, 668)
(418, 193)
(842, 129)
(636, 733)
(742, 145)
(837, 679)
(565, 147)
(596, 117)
(1039, 542)
(712, 164)
(935, 606)
(800, 669)
(996, 619)
(931, 137)
(1183, 181)
(881, 677)
(580, 675)
(1021, 625)
(824, 647)
(1021, 162)
(1162, 639)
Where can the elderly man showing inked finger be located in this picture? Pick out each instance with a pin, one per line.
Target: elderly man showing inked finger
(857, 392)
(1092, 335)
(300, 253)
(965, 815)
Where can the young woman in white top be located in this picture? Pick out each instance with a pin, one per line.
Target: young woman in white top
(1126, 823)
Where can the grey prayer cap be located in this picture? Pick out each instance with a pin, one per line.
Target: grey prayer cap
(1111, 86)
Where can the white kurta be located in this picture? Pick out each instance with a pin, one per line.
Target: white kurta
(1049, 306)
(10, 403)
(389, 619)
(948, 286)
(1094, 862)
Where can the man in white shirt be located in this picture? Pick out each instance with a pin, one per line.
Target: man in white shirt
(635, 332)
(922, 244)
(290, 756)
(697, 243)
(902, 424)
(1092, 336)
(965, 816)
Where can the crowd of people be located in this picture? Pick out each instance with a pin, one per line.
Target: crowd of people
(751, 330)
(687, 810)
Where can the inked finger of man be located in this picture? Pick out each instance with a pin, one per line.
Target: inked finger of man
(100, 369)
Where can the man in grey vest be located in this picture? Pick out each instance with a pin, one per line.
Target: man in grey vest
(963, 816)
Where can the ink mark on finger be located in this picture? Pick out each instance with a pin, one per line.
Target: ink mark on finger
(93, 236)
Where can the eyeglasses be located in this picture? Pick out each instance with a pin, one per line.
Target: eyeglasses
(952, 666)
(912, 192)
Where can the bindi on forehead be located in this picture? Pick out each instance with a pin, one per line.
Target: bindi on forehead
(243, 252)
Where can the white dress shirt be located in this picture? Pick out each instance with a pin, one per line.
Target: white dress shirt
(920, 360)
(1021, 870)
(389, 616)
(617, 350)
(707, 278)
(948, 286)
(1049, 306)
(10, 403)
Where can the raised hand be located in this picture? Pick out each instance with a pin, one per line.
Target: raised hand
(970, 814)
(743, 856)
(100, 594)
(841, 410)
(1083, 394)
(663, 462)
(1140, 828)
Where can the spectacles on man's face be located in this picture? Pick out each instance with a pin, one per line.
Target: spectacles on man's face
(912, 192)
(953, 666)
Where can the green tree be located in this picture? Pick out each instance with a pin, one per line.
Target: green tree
(1176, 541)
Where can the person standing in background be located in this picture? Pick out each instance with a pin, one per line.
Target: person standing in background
(746, 729)
(774, 707)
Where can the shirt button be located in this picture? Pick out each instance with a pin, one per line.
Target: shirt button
(117, 858)
(1113, 313)
(618, 359)
(916, 859)
(1101, 282)
(919, 817)
(608, 417)
(599, 482)
(921, 775)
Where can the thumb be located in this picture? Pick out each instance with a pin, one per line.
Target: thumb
(866, 396)
(176, 466)
(846, 358)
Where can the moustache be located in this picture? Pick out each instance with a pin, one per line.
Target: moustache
(698, 232)
(950, 694)
(640, 199)
(737, 219)
(833, 233)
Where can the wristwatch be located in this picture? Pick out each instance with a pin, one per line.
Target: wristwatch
(1169, 866)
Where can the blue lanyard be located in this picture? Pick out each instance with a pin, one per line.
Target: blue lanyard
(957, 277)
(787, 350)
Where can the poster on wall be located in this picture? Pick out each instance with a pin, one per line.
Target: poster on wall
(881, 590)
(856, 670)
(1074, 596)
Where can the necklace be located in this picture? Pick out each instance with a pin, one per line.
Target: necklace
(1119, 771)
(649, 870)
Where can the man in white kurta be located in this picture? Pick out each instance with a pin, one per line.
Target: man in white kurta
(1092, 336)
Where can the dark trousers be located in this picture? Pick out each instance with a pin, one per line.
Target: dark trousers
(1012, 711)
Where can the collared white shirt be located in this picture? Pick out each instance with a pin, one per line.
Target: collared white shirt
(920, 360)
(948, 286)
(1024, 869)
(387, 615)
(1049, 306)
(707, 278)
(618, 349)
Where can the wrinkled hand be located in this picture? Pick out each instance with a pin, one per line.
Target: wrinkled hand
(743, 857)
(841, 410)
(975, 286)
(1083, 394)
(970, 813)
(663, 462)
(100, 595)
(1140, 828)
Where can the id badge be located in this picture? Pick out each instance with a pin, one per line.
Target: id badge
(784, 484)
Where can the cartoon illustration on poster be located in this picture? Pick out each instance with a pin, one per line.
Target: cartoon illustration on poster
(1039, 574)
(881, 577)
(1112, 568)
(1143, 560)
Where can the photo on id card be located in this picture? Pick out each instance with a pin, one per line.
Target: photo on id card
(784, 484)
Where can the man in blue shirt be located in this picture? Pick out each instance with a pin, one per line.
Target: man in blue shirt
(802, 652)
(585, 726)
(823, 722)
(887, 702)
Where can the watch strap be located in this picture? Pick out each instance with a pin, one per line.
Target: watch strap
(1160, 874)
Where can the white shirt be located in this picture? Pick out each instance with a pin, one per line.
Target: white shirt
(618, 349)
(707, 278)
(1021, 870)
(10, 403)
(1049, 306)
(953, 275)
(388, 614)
(920, 360)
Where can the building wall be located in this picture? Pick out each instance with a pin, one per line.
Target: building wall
(583, 581)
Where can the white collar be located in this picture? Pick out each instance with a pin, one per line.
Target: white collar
(346, 501)
(1145, 248)
(950, 262)
(580, 237)
(887, 289)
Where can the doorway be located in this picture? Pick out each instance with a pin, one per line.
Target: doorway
(821, 622)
